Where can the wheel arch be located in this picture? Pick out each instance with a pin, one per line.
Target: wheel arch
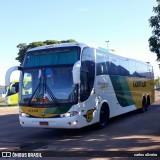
(104, 115)
(105, 103)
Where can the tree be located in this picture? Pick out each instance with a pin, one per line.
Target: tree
(157, 81)
(154, 40)
(23, 47)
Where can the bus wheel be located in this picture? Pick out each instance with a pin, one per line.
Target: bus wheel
(148, 103)
(144, 105)
(104, 117)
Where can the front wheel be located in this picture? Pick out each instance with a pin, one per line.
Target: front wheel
(104, 117)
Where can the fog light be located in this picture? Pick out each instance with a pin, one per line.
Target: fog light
(73, 123)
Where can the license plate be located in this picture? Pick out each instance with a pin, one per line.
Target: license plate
(43, 123)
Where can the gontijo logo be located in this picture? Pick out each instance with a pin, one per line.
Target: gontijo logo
(103, 84)
(139, 83)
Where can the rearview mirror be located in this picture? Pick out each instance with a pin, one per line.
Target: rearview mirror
(76, 72)
(9, 72)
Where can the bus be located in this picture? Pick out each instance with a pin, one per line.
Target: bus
(73, 85)
(11, 97)
(12, 92)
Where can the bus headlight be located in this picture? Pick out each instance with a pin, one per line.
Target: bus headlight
(24, 114)
(69, 114)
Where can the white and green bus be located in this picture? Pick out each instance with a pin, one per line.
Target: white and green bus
(74, 85)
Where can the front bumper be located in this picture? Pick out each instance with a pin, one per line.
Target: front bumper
(65, 122)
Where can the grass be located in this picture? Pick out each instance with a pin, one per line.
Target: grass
(2, 100)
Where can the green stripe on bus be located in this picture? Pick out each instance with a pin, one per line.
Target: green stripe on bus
(57, 110)
(122, 91)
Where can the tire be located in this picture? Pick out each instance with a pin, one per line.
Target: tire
(148, 103)
(144, 105)
(103, 117)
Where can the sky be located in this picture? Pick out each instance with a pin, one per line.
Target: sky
(123, 23)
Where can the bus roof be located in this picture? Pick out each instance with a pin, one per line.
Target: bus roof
(56, 46)
(82, 45)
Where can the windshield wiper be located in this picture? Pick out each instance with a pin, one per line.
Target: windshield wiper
(51, 94)
(36, 92)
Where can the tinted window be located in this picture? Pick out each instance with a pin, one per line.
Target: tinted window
(124, 67)
(87, 72)
(53, 56)
(101, 67)
(114, 68)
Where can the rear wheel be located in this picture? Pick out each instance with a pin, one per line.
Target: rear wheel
(104, 117)
(144, 105)
(148, 103)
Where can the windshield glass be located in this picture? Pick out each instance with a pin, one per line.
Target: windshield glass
(52, 56)
(48, 85)
(13, 89)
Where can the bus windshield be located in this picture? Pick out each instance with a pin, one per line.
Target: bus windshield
(52, 56)
(48, 86)
(49, 72)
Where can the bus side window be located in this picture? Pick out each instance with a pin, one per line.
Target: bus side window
(113, 65)
(101, 66)
(124, 67)
(15, 88)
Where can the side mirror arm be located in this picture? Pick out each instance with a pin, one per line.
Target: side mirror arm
(8, 74)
